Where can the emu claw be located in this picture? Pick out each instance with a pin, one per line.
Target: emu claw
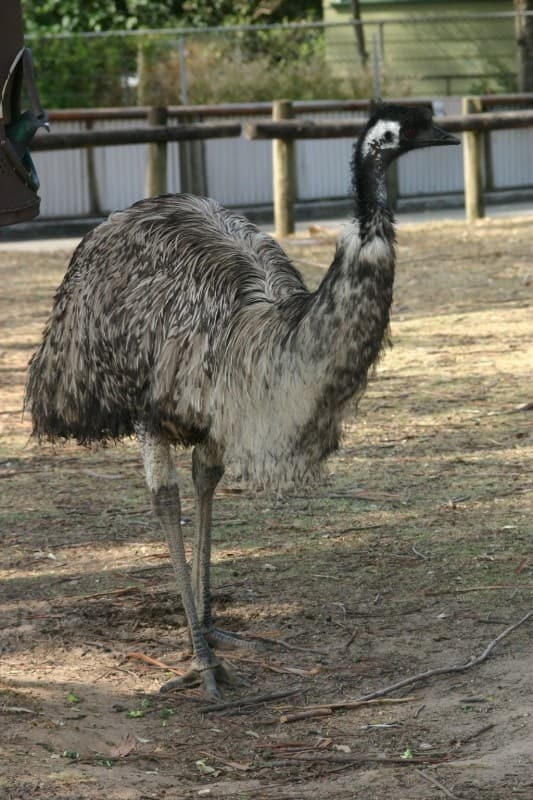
(209, 676)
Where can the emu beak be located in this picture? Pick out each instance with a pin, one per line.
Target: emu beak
(433, 137)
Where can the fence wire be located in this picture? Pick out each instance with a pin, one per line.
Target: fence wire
(438, 55)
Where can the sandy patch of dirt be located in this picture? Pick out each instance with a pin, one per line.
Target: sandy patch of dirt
(414, 554)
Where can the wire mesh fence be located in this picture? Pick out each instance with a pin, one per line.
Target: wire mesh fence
(437, 55)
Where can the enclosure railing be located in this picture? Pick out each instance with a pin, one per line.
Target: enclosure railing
(183, 124)
(473, 122)
(284, 130)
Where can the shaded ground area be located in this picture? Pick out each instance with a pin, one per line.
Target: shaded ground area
(413, 555)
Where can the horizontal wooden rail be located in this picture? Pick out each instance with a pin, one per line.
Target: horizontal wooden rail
(514, 98)
(150, 135)
(222, 109)
(256, 109)
(303, 129)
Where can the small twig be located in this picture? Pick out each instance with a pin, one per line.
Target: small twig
(285, 644)
(482, 730)
(250, 701)
(357, 528)
(18, 710)
(232, 764)
(419, 554)
(340, 758)
(494, 587)
(350, 640)
(436, 783)
(153, 662)
(327, 577)
(115, 668)
(97, 595)
(279, 668)
(325, 710)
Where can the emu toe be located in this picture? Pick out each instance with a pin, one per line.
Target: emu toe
(226, 640)
(206, 675)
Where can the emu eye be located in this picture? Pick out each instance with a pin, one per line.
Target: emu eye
(388, 136)
(409, 133)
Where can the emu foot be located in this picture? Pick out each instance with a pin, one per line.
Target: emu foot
(203, 672)
(225, 640)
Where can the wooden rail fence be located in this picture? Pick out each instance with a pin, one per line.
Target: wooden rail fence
(472, 123)
(284, 129)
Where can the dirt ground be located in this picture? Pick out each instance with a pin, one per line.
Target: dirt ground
(413, 555)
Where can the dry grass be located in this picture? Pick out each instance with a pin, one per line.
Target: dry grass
(394, 565)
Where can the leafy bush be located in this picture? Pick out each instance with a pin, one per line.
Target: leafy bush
(249, 68)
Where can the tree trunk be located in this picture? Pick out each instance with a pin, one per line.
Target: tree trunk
(524, 44)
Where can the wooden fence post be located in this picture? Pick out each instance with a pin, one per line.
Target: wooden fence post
(156, 167)
(193, 170)
(284, 173)
(95, 206)
(472, 162)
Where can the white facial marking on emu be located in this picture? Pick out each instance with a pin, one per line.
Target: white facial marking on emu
(384, 135)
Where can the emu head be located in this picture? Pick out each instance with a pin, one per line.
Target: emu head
(393, 130)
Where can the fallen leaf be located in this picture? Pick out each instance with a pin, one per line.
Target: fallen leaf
(127, 744)
(520, 568)
(205, 769)
(524, 406)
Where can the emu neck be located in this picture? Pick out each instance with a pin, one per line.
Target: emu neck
(370, 197)
(349, 316)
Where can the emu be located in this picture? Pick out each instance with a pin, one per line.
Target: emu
(182, 323)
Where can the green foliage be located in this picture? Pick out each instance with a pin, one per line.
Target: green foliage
(499, 79)
(84, 72)
(72, 754)
(71, 16)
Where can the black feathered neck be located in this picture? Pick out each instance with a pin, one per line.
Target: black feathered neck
(369, 173)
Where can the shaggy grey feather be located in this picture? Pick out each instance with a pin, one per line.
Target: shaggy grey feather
(182, 317)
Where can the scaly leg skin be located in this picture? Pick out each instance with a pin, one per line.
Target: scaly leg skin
(206, 473)
(161, 478)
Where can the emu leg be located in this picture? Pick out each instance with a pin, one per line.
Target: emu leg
(206, 473)
(205, 476)
(161, 478)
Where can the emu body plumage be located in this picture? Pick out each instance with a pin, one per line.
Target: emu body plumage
(182, 323)
(182, 317)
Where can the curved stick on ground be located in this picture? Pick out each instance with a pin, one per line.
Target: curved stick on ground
(430, 673)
